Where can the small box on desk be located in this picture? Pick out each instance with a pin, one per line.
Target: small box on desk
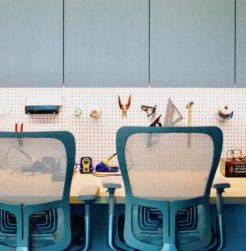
(233, 168)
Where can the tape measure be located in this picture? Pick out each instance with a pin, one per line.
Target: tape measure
(225, 113)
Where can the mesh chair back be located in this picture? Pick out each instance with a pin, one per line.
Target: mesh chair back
(168, 168)
(36, 171)
(29, 168)
(168, 173)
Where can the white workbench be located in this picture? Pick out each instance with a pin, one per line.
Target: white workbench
(234, 195)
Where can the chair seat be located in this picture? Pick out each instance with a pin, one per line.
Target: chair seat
(148, 226)
(182, 237)
(188, 237)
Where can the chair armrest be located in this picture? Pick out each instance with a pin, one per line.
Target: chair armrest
(88, 193)
(111, 183)
(221, 186)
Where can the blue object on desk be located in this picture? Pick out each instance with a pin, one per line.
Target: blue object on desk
(35, 167)
(102, 167)
(47, 165)
(86, 165)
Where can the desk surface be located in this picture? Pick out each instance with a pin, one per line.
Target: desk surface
(234, 195)
(15, 187)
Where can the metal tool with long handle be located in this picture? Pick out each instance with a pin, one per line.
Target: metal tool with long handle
(189, 108)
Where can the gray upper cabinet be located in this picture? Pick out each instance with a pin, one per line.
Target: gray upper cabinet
(192, 43)
(106, 43)
(241, 44)
(31, 44)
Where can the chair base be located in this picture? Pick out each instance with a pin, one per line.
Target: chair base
(169, 247)
(22, 249)
(36, 241)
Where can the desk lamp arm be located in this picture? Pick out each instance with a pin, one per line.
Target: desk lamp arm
(220, 188)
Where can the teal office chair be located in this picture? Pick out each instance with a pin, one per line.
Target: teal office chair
(168, 174)
(35, 176)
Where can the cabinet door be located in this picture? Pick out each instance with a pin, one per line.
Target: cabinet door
(241, 44)
(31, 43)
(192, 43)
(106, 43)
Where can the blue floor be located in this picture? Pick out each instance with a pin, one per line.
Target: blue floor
(235, 220)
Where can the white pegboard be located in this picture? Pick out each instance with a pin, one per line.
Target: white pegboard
(96, 138)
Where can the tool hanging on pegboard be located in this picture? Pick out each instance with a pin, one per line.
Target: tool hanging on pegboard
(156, 122)
(124, 107)
(150, 110)
(151, 137)
(225, 113)
(19, 129)
(77, 112)
(95, 114)
(189, 108)
(173, 116)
